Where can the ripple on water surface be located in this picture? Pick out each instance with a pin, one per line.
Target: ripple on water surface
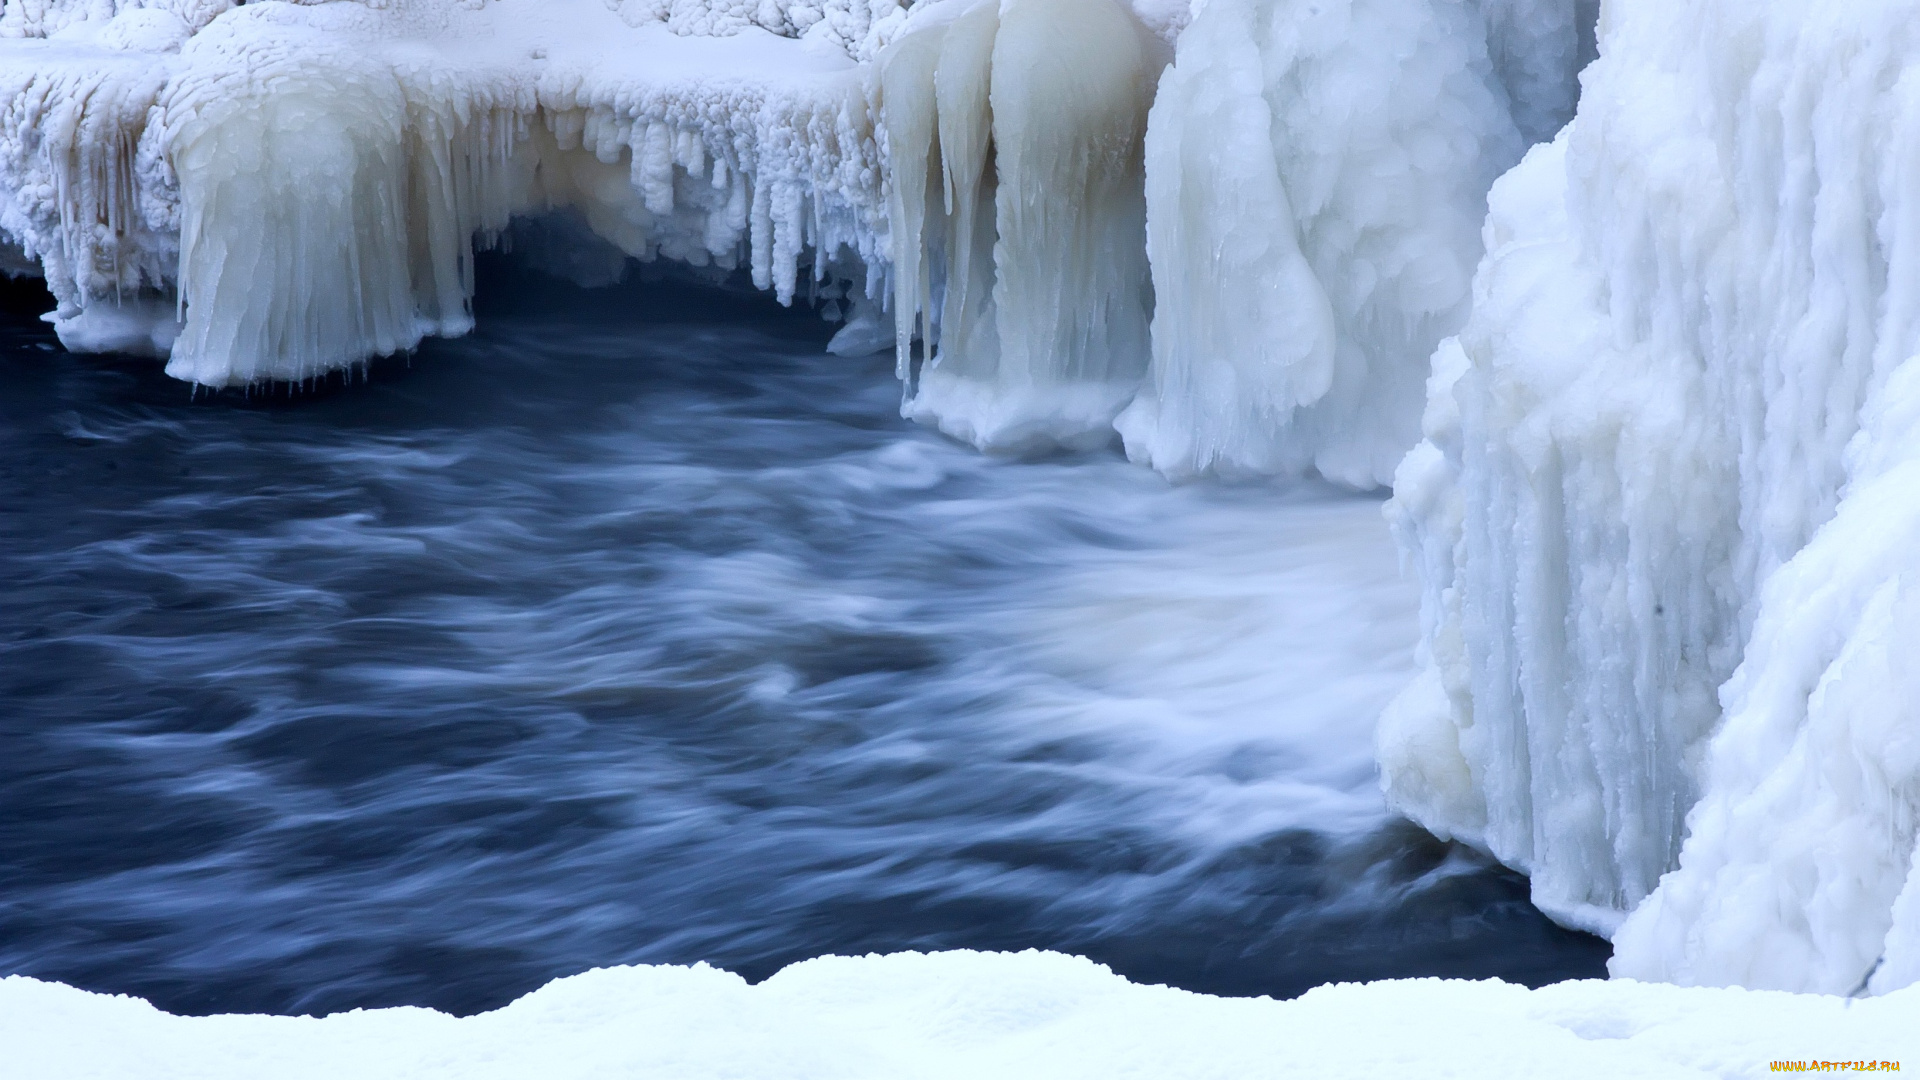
(635, 629)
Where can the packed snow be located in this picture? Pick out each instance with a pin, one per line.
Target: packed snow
(963, 1014)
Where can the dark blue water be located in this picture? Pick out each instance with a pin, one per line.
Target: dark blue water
(635, 629)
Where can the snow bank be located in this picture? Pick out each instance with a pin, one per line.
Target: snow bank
(1672, 441)
(972, 1015)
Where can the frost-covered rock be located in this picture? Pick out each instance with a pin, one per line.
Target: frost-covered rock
(968, 1015)
(1671, 442)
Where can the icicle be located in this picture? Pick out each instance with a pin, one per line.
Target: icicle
(907, 110)
(962, 85)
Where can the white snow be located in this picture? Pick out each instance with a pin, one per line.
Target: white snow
(1672, 442)
(973, 1015)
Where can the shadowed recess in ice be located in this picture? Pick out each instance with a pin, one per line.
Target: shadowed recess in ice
(660, 637)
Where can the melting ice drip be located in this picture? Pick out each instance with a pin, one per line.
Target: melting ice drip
(1661, 491)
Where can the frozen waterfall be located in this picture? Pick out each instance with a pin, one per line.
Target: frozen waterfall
(1658, 386)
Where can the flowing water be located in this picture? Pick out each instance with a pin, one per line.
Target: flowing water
(635, 629)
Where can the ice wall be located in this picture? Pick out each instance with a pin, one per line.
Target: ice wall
(1316, 181)
(273, 191)
(1670, 444)
(1538, 49)
(1316, 177)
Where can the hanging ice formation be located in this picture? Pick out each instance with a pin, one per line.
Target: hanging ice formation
(1666, 513)
(169, 166)
(303, 184)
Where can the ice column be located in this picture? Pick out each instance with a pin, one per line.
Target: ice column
(1017, 218)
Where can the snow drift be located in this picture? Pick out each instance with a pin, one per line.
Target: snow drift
(1663, 512)
(971, 1015)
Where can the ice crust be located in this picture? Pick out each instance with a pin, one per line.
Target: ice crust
(964, 1014)
(1664, 513)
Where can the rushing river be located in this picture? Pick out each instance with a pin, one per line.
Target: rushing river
(635, 629)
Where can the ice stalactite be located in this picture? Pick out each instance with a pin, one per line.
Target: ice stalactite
(1660, 510)
(1014, 135)
(1316, 178)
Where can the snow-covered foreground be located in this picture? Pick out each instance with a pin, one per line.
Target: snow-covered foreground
(967, 1014)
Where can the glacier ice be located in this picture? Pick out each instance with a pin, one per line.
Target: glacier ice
(1660, 511)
